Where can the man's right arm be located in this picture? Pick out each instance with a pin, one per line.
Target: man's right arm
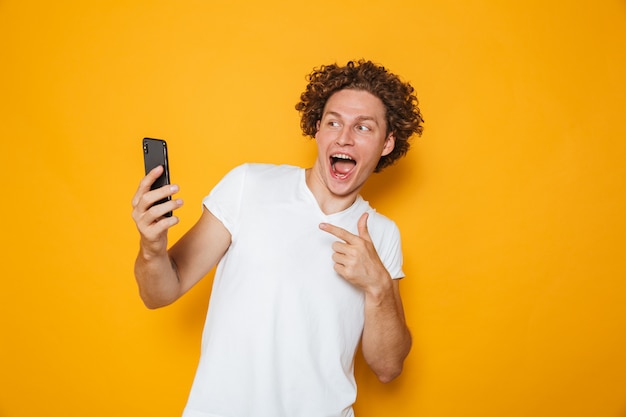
(164, 276)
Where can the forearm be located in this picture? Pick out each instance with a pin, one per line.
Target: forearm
(157, 279)
(386, 340)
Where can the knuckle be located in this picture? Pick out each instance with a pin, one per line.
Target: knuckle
(145, 199)
(154, 211)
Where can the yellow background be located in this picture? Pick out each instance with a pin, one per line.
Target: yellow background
(511, 205)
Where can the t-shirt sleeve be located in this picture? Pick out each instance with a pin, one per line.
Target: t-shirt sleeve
(393, 258)
(388, 244)
(224, 201)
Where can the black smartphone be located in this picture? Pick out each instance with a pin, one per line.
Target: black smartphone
(155, 154)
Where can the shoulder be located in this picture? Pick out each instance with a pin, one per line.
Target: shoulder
(259, 181)
(257, 174)
(260, 170)
(382, 226)
(375, 220)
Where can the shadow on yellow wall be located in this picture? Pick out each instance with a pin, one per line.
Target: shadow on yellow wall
(511, 205)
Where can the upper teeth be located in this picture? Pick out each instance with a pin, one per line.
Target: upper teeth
(341, 156)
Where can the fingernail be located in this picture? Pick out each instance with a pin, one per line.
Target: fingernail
(174, 188)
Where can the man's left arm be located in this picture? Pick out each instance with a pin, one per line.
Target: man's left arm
(386, 340)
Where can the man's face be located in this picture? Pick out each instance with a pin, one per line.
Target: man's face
(351, 137)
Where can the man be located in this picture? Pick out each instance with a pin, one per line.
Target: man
(306, 269)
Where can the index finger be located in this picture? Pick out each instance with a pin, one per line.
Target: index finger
(337, 231)
(146, 182)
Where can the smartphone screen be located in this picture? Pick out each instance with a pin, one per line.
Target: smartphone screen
(155, 154)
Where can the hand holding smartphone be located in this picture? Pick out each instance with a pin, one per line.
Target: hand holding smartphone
(155, 154)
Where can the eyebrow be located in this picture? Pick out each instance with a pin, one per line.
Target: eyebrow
(358, 118)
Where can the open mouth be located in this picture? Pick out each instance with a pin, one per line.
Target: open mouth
(342, 164)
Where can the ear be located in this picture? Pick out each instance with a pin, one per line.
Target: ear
(389, 144)
(317, 128)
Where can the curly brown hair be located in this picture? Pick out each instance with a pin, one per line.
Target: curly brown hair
(403, 115)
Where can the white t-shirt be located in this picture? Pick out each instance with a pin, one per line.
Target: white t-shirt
(282, 327)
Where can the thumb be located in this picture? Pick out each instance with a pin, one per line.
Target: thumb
(362, 226)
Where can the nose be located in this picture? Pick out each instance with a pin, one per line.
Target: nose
(344, 138)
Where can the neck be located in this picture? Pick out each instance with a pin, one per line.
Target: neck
(328, 202)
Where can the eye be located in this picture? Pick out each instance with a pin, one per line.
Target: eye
(363, 128)
(333, 123)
